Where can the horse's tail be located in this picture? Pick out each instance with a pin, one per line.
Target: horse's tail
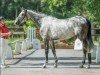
(89, 35)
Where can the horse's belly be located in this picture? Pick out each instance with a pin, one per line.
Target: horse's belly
(67, 35)
(70, 34)
(62, 33)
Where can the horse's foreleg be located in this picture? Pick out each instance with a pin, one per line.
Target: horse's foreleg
(54, 53)
(46, 52)
(89, 60)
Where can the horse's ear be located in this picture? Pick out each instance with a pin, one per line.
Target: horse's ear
(22, 8)
(25, 10)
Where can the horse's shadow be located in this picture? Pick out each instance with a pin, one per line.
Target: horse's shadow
(63, 62)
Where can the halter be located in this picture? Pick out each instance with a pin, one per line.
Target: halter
(25, 15)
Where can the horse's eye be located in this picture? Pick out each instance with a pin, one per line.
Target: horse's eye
(22, 14)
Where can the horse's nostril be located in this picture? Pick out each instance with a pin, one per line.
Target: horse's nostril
(17, 23)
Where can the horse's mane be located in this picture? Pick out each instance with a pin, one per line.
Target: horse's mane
(41, 14)
(37, 13)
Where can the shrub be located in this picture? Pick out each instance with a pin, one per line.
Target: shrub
(9, 23)
(27, 25)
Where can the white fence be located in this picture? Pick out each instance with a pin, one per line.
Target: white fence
(24, 45)
(31, 34)
(96, 50)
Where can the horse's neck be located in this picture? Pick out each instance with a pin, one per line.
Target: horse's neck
(36, 18)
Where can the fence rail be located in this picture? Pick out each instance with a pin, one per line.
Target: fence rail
(18, 33)
(16, 27)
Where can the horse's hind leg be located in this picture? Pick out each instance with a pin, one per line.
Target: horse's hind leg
(54, 53)
(84, 53)
(84, 58)
(46, 52)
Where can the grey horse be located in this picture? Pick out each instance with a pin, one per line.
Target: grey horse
(52, 29)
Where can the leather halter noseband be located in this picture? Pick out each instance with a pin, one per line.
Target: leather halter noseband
(25, 15)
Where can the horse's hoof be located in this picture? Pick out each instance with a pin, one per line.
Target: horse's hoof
(81, 66)
(44, 66)
(55, 66)
(88, 67)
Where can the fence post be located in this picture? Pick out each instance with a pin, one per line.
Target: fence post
(36, 44)
(9, 54)
(23, 46)
(17, 49)
(28, 43)
(31, 34)
(97, 52)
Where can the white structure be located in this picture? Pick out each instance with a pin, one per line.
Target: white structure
(23, 46)
(5, 49)
(31, 34)
(78, 45)
(36, 44)
(97, 52)
(9, 54)
(26, 44)
(17, 49)
(31, 39)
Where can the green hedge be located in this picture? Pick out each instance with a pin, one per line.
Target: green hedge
(27, 25)
(9, 23)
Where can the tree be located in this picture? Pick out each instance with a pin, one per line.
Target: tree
(58, 8)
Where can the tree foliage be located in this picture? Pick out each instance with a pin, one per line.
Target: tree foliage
(58, 8)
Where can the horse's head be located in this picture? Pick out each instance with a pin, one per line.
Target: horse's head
(22, 17)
